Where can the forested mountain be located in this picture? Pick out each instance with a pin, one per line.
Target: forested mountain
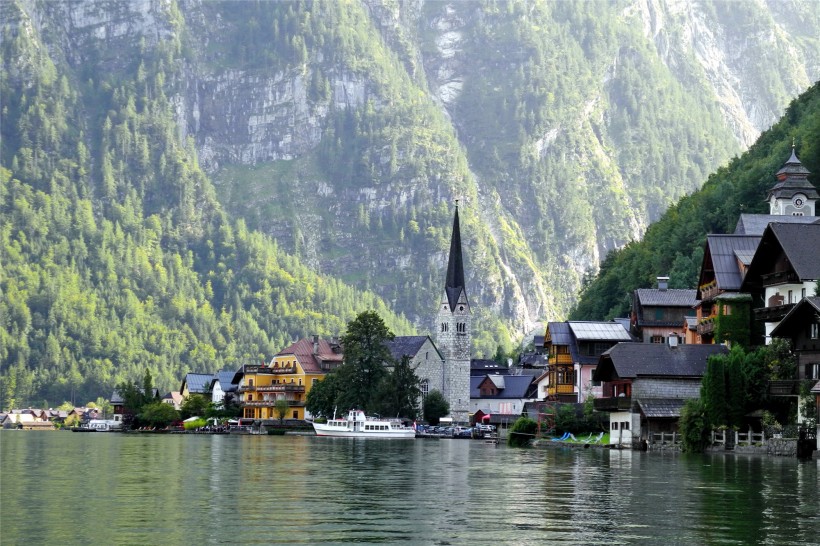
(189, 185)
(675, 243)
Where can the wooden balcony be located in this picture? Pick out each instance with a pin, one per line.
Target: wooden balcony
(564, 388)
(707, 326)
(560, 359)
(709, 291)
(772, 314)
(779, 277)
(613, 403)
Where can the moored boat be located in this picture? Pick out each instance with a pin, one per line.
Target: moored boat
(359, 425)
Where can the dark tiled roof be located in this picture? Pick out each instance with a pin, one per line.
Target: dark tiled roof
(723, 252)
(198, 383)
(799, 242)
(755, 224)
(538, 340)
(798, 317)
(454, 284)
(631, 360)
(671, 297)
(405, 345)
(660, 408)
(560, 333)
(225, 378)
(483, 366)
(515, 386)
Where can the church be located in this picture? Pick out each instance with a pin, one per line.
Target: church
(444, 364)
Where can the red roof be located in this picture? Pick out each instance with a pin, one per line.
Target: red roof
(312, 362)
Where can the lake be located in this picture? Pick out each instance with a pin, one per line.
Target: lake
(104, 488)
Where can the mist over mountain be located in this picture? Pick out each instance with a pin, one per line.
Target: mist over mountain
(192, 184)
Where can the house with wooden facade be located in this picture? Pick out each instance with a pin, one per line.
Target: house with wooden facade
(783, 271)
(725, 261)
(658, 313)
(573, 349)
(502, 397)
(645, 385)
(801, 326)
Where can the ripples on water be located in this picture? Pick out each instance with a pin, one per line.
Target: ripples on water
(64, 488)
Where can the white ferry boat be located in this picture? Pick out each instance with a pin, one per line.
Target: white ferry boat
(358, 425)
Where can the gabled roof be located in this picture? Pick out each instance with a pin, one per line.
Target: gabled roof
(671, 297)
(310, 360)
(799, 243)
(225, 378)
(483, 366)
(633, 360)
(559, 333)
(804, 312)
(515, 386)
(198, 383)
(598, 331)
(401, 346)
(721, 257)
(755, 224)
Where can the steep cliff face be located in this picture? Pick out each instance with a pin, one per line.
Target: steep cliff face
(347, 131)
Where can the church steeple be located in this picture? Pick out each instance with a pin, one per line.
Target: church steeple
(792, 194)
(454, 283)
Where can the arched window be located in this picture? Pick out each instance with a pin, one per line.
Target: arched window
(425, 388)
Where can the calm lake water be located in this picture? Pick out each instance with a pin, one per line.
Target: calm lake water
(68, 488)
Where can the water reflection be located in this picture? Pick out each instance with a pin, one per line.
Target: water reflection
(64, 488)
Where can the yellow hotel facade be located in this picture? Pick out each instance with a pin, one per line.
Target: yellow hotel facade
(289, 376)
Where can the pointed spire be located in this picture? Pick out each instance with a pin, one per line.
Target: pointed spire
(455, 265)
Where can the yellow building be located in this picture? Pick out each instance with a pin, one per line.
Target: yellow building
(289, 376)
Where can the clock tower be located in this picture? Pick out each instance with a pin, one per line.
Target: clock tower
(792, 194)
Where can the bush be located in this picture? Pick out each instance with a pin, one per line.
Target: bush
(694, 426)
(193, 425)
(522, 431)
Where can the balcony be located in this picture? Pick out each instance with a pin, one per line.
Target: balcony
(281, 388)
(709, 291)
(706, 326)
(562, 388)
(779, 277)
(614, 403)
(774, 313)
(271, 404)
(787, 387)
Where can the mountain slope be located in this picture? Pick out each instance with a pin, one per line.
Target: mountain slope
(674, 244)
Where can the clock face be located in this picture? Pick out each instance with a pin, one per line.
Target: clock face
(798, 201)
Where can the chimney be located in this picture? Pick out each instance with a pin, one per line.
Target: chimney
(663, 283)
(315, 344)
(672, 339)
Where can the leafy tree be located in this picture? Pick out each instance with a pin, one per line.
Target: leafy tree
(281, 408)
(522, 432)
(158, 414)
(713, 391)
(399, 392)
(321, 400)
(366, 353)
(435, 407)
(194, 405)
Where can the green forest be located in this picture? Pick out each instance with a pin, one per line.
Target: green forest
(674, 244)
(144, 225)
(116, 256)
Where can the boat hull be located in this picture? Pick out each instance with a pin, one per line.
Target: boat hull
(339, 432)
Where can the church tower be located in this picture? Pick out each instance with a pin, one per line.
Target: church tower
(454, 331)
(792, 194)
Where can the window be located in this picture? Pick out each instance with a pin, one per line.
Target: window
(425, 388)
(625, 425)
(791, 297)
(656, 339)
(814, 330)
(614, 425)
(802, 293)
(813, 370)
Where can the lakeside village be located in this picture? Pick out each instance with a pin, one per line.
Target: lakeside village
(733, 364)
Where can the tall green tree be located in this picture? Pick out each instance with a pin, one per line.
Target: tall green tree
(399, 392)
(365, 356)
